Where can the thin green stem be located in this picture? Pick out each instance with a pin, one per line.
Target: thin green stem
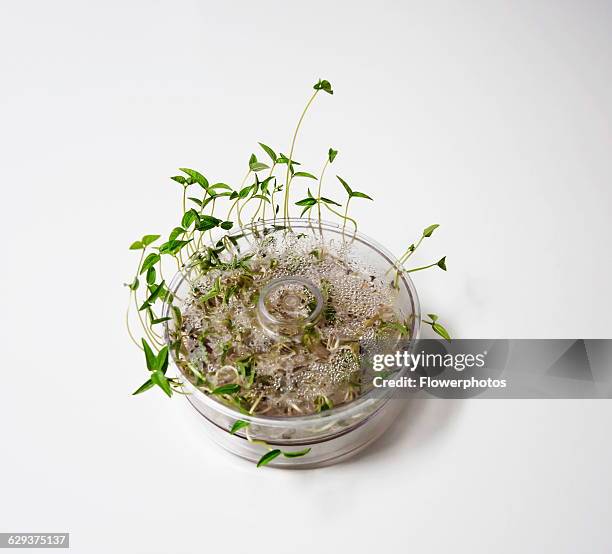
(212, 213)
(229, 213)
(287, 177)
(346, 213)
(144, 325)
(420, 268)
(320, 185)
(342, 216)
(159, 265)
(409, 252)
(127, 322)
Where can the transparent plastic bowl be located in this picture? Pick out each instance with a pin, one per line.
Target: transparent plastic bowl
(332, 435)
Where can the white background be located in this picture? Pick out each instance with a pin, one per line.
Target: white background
(490, 118)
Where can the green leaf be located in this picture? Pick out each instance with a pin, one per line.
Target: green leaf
(196, 176)
(151, 275)
(324, 85)
(227, 389)
(148, 262)
(196, 200)
(217, 195)
(172, 247)
(227, 225)
(348, 189)
(306, 209)
(331, 155)
(264, 184)
(136, 245)
(179, 179)
(442, 263)
(441, 331)
(239, 424)
(269, 151)
(306, 202)
(356, 194)
(268, 457)
(160, 320)
(297, 453)
(161, 362)
(176, 232)
(304, 174)
(328, 201)
(433, 317)
(220, 186)
(427, 232)
(282, 159)
(261, 197)
(150, 356)
(153, 296)
(178, 316)
(214, 291)
(148, 239)
(396, 326)
(159, 379)
(188, 218)
(245, 191)
(134, 284)
(207, 222)
(258, 166)
(144, 387)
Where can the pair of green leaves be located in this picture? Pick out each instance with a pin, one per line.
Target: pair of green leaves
(201, 222)
(155, 292)
(143, 242)
(195, 177)
(157, 365)
(272, 454)
(437, 327)
(352, 193)
(255, 165)
(322, 84)
(322, 403)
(310, 201)
(282, 159)
(173, 247)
